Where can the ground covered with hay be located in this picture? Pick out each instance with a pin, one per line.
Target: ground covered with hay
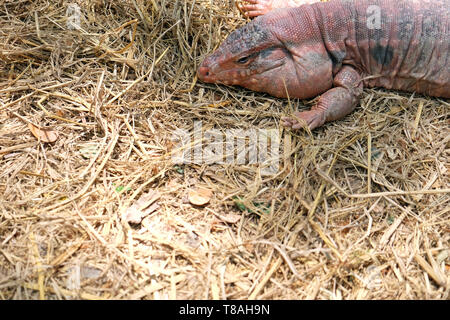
(94, 205)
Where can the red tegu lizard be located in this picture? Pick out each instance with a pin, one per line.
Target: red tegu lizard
(336, 48)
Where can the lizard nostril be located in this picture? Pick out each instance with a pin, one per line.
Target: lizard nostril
(203, 72)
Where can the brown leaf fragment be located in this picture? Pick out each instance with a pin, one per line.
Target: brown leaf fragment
(230, 218)
(200, 196)
(45, 135)
(144, 206)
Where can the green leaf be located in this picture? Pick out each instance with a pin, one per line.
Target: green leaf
(120, 188)
(179, 169)
(241, 206)
(390, 220)
(238, 202)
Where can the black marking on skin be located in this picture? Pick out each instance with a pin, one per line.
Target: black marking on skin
(266, 52)
(259, 65)
(382, 54)
(336, 57)
(377, 34)
(290, 44)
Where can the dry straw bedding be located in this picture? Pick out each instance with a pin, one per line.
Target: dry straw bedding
(358, 209)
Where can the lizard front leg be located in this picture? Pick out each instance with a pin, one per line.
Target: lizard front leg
(334, 104)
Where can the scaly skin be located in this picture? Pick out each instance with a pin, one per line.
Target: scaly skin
(336, 48)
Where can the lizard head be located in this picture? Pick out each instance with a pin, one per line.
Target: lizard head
(251, 57)
(266, 55)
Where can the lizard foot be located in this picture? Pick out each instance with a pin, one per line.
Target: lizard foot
(311, 118)
(254, 8)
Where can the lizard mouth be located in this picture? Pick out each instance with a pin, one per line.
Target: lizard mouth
(206, 74)
(228, 77)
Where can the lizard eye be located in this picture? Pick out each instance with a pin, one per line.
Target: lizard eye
(243, 60)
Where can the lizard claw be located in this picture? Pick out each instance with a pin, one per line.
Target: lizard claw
(311, 118)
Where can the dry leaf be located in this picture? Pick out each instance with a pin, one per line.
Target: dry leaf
(89, 150)
(60, 113)
(42, 134)
(200, 197)
(395, 110)
(173, 185)
(230, 218)
(142, 207)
